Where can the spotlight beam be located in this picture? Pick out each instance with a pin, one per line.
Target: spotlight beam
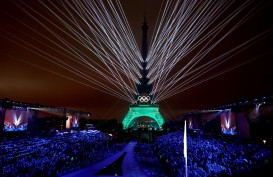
(92, 42)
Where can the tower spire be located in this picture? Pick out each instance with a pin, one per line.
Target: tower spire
(144, 87)
(144, 39)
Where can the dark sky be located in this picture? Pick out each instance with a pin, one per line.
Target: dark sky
(22, 79)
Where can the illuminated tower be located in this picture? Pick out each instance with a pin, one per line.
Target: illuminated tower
(144, 88)
(143, 105)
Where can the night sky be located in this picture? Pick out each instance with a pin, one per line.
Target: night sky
(23, 79)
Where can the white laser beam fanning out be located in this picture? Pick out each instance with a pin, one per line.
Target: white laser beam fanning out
(93, 42)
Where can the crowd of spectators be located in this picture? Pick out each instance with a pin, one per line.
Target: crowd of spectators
(64, 152)
(54, 155)
(207, 156)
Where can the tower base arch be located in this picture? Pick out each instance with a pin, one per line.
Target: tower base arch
(139, 110)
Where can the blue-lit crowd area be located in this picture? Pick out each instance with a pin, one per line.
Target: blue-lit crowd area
(54, 155)
(225, 141)
(207, 156)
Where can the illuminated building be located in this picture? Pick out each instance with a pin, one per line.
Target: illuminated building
(143, 105)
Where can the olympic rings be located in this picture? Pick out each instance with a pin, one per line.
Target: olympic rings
(143, 99)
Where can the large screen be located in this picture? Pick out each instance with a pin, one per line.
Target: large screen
(228, 123)
(75, 121)
(72, 121)
(16, 120)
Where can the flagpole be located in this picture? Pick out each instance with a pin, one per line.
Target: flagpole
(185, 149)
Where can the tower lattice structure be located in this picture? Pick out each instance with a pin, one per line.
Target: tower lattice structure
(143, 105)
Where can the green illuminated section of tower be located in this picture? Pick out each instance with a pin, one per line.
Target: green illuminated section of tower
(136, 111)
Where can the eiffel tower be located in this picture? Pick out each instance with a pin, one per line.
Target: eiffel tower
(143, 105)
